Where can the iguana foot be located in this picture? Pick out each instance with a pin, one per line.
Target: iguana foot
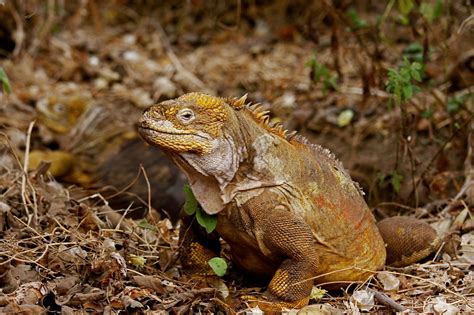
(197, 247)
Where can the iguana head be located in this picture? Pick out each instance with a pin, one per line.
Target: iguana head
(197, 130)
(188, 124)
(211, 139)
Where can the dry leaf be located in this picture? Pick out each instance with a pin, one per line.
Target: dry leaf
(319, 309)
(390, 282)
(151, 282)
(363, 299)
(467, 248)
(439, 306)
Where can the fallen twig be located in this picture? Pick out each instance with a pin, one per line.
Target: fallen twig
(386, 300)
(24, 177)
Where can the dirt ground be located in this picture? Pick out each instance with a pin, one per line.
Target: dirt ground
(89, 214)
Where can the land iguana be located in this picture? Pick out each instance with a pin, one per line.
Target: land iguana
(287, 208)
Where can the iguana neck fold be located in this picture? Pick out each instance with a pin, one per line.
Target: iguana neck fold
(235, 164)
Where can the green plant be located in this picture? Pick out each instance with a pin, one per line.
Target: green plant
(5, 82)
(218, 265)
(208, 222)
(431, 12)
(395, 179)
(405, 7)
(321, 72)
(428, 113)
(401, 82)
(456, 103)
(414, 52)
(357, 21)
(144, 224)
(192, 207)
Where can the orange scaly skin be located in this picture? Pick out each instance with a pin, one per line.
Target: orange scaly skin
(287, 208)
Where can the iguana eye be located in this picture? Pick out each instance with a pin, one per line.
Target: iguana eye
(58, 108)
(186, 115)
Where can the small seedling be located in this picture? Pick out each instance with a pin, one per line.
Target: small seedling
(456, 103)
(395, 180)
(5, 82)
(405, 7)
(357, 21)
(414, 52)
(144, 224)
(431, 12)
(400, 82)
(192, 207)
(320, 72)
(428, 113)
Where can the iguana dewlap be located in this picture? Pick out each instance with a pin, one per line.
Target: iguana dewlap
(286, 207)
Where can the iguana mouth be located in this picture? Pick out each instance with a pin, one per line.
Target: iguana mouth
(146, 129)
(153, 131)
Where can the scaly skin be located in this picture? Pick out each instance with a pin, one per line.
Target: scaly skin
(287, 208)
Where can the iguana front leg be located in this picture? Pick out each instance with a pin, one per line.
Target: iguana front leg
(285, 234)
(197, 247)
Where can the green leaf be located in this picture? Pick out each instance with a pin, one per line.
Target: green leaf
(396, 181)
(402, 20)
(407, 92)
(427, 11)
(427, 113)
(405, 6)
(399, 82)
(356, 19)
(5, 82)
(413, 48)
(438, 9)
(310, 63)
(416, 66)
(209, 222)
(380, 178)
(415, 74)
(218, 265)
(414, 52)
(191, 204)
(454, 105)
(145, 225)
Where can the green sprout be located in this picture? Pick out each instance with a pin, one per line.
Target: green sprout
(5, 82)
(400, 82)
(320, 72)
(192, 207)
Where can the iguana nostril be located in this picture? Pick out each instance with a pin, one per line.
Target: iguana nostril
(143, 122)
(151, 114)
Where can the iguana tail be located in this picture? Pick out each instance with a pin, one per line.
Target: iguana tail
(407, 240)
